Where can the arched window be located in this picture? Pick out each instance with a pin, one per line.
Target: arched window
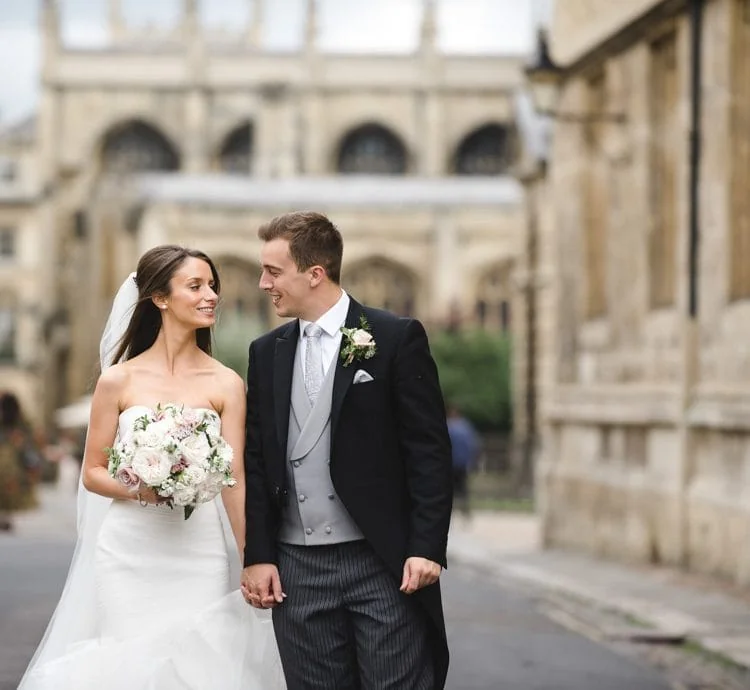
(8, 326)
(372, 150)
(137, 147)
(383, 284)
(236, 154)
(486, 151)
(493, 300)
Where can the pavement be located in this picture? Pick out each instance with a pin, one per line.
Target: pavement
(662, 604)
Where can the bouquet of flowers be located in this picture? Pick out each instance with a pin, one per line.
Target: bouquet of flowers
(177, 453)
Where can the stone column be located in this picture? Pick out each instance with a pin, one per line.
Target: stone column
(444, 276)
(429, 108)
(195, 141)
(117, 26)
(255, 24)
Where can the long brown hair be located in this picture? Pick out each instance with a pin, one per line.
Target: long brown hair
(153, 275)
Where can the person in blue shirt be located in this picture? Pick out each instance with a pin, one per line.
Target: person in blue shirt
(465, 445)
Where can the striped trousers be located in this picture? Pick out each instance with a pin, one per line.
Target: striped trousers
(344, 624)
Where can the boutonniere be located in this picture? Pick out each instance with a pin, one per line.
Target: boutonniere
(358, 342)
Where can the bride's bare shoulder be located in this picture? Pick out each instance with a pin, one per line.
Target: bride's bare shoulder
(113, 381)
(227, 378)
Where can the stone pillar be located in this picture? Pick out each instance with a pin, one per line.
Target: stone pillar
(195, 141)
(255, 24)
(117, 25)
(445, 275)
(315, 160)
(429, 108)
(311, 133)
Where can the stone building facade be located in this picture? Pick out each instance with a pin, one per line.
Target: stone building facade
(191, 137)
(643, 353)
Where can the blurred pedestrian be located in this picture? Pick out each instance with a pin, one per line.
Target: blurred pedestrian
(465, 444)
(10, 483)
(19, 444)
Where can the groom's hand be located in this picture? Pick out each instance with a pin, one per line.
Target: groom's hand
(418, 573)
(261, 586)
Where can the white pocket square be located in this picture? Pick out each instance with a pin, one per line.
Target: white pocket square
(361, 376)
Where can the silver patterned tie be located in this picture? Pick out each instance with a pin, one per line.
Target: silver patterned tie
(313, 361)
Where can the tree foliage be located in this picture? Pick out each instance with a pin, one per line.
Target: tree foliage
(232, 337)
(475, 375)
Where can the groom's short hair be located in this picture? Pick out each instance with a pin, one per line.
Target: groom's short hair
(313, 240)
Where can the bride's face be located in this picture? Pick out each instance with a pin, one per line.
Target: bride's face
(192, 299)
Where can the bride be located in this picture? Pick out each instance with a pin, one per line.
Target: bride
(148, 602)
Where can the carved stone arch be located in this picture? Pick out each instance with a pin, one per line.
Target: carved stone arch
(493, 297)
(240, 296)
(135, 145)
(8, 325)
(235, 151)
(382, 283)
(371, 149)
(486, 150)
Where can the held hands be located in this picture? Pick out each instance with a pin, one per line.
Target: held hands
(261, 586)
(418, 573)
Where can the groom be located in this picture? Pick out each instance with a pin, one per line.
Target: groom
(348, 470)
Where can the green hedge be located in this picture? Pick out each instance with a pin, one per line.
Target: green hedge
(474, 367)
(475, 376)
(232, 338)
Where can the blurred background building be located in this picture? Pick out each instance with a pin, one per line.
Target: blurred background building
(606, 231)
(187, 134)
(638, 233)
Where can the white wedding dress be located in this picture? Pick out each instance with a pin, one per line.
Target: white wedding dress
(165, 612)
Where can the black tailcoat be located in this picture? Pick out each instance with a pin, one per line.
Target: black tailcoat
(390, 451)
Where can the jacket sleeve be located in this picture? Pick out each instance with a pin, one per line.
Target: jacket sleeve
(424, 444)
(259, 540)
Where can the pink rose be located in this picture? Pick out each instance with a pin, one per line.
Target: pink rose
(128, 478)
(179, 466)
(361, 338)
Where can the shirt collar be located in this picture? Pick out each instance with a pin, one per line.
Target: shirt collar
(332, 321)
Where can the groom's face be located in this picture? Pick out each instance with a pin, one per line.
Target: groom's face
(288, 288)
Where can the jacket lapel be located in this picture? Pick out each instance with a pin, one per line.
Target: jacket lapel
(344, 375)
(283, 367)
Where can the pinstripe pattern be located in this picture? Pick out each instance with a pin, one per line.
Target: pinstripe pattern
(345, 625)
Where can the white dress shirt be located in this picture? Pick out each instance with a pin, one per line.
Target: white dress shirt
(330, 340)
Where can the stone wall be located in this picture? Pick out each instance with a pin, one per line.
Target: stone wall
(646, 451)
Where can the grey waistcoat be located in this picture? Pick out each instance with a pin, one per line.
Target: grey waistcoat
(314, 515)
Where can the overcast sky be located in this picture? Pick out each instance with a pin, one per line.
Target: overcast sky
(466, 26)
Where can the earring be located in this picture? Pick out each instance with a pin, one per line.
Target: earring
(162, 306)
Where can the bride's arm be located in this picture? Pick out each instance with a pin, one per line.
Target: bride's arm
(233, 431)
(105, 410)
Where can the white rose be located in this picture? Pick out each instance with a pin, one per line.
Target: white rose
(224, 456)
(361, 338)
(161, 428)
(147, 438)
(195, 449)
(183, 495)
(193, 475)
(151, 465)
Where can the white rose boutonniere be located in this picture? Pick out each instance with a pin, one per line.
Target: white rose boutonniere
(358, 342)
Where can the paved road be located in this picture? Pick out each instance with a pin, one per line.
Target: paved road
(500, 641)
(498, 638)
